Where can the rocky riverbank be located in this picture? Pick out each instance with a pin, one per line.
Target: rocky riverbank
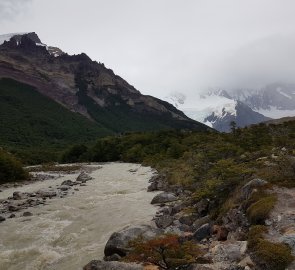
(224, 243)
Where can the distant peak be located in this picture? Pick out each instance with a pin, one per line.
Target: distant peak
(28, 41)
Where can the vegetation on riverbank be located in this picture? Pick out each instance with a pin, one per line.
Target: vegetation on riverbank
(11, 169)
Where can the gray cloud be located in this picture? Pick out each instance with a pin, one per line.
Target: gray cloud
(161, 46)
(10, 9)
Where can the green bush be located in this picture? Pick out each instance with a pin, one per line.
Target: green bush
(259, 211)
(10, 168)
(268, 255)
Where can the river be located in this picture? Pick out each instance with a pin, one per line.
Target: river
(69, 232)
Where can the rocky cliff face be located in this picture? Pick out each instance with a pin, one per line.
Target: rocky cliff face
(85, 86)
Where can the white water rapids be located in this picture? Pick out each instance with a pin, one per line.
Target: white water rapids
(69, 232)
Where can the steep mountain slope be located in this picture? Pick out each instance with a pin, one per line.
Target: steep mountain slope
(32, 121)
(87, 87)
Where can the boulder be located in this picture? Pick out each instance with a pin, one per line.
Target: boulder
(17, 195)
(2, 219)
(27, 214)
(67, 183)
(203, 232)
(13, 208)
(202, 207)
(119, 241)
(164, 221)
(83, 177)
(229, 251)
(64, 187)
(102, 265)
(247, 189)
(221, 232)
(164, 197)
(288, 239)
(201, 221)
(46, 193)
(188, 219)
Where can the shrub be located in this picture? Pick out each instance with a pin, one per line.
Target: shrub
(268, 255)
(273, 256)
(10, 168)
(259, 211)
(167, 252)
(74, 154)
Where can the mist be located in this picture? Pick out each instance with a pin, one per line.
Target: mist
(167, 46)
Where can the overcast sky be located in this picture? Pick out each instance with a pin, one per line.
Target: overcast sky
(161, 46)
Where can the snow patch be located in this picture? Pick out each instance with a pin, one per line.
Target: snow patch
(279, 90)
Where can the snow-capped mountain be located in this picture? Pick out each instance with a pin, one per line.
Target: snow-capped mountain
(275, 100)
(216, 109)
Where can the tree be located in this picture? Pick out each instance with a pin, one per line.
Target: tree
(233, 126)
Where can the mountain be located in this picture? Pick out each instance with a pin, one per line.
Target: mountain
(240, 113)
(217, 109)
(85, 86)
(275, 100)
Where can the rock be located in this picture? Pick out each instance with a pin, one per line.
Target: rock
(17, 195)
(13, 208)
(46, 193)
(114, 257)
(288, 239)
(246, 262)
(221, 232)
(64, 187)
(27, 214)
(164, 221)
(12, 216)
(118, 242)
(2, 219)
(247, 189)
(67, 183)
(177, 208)
(202, 207)
(101, 265)
(227, 251)
(203, 232)
(200, 221)
(163, 197)
(187, 219)
(83, 177)
(201, 267)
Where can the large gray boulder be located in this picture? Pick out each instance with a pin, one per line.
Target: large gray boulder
(164, 197)
(203, 232)
(119, 241)
(101, 265)
(164, 221)
(83, 177)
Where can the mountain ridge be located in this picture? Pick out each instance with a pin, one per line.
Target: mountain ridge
(87, 87)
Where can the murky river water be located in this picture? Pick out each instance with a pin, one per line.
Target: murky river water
(69, 232)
